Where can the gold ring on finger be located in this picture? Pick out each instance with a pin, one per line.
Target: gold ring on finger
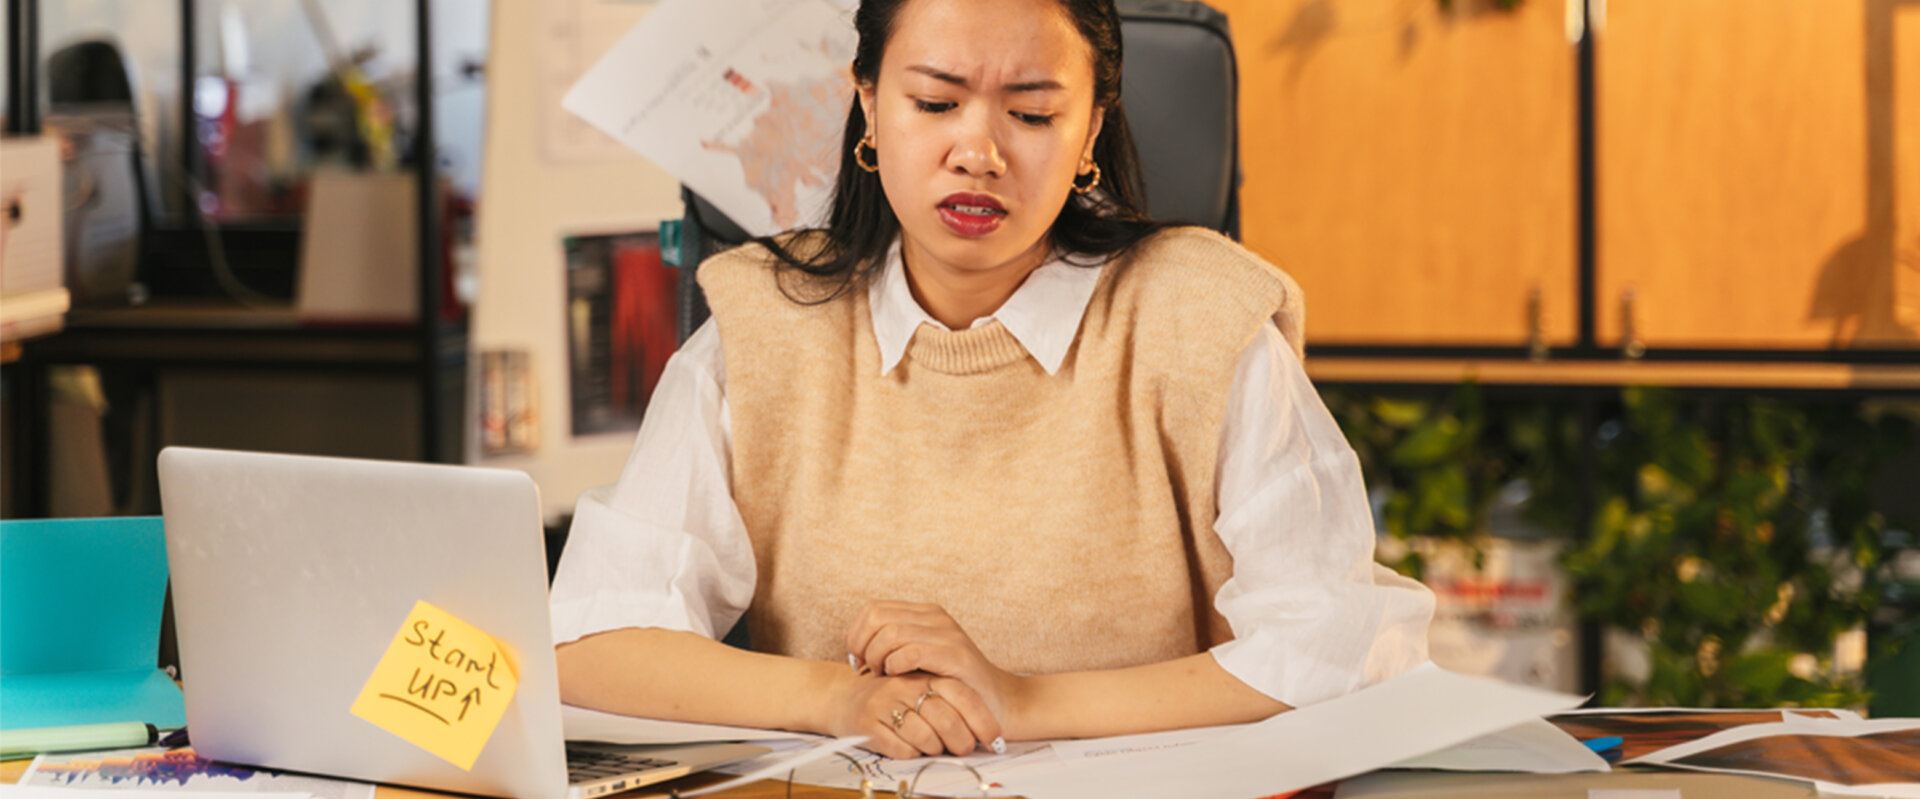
(923, 700)
(899, 717)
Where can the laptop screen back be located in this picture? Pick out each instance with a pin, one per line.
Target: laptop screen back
(291, 576)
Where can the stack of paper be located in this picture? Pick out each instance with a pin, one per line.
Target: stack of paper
(1485, 724)
(1420, 712)
(1840, 756)
(1534, 747)
(1481, 724)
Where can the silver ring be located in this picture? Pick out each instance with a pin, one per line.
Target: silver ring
(923, 699)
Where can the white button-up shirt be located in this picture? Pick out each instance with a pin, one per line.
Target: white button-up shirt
(1313, 616)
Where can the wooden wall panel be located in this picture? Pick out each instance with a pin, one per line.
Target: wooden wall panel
(1900, 51)
(1759, 172)
(1414, 168)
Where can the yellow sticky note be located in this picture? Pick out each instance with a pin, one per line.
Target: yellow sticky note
(442, 686)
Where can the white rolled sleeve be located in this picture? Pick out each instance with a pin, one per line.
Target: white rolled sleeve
(665, 546)
(1313, 616)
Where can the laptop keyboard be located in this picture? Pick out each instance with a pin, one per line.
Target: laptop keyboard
(588, 765)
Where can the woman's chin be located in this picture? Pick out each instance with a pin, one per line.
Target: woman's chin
(978, 253)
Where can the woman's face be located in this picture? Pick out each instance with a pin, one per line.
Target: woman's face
(982, 115)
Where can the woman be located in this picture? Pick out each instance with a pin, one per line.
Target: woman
(991, 457)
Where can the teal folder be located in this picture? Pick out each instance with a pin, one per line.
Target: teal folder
(80, 604)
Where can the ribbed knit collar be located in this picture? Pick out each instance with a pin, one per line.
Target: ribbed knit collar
(976, 350)
(1040, 319)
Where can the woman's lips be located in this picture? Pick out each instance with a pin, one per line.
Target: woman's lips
(971, 215)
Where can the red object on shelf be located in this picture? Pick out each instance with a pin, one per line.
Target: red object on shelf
(643, 336)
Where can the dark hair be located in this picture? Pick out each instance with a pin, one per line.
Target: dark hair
(861, 224)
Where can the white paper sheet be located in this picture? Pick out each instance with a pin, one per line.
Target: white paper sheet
(1084, 748)
(581, 724)
(886, 773)
(745, 101)
(1420, 712)
(1534, 746)
(48, 792)
(1793, 725)
(1840, 713)
(115, 773)
(787, 762)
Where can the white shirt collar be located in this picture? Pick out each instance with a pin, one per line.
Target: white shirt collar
(1043, 314)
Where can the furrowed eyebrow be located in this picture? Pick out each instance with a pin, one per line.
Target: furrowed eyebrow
(1014, 88)
(1034, 86)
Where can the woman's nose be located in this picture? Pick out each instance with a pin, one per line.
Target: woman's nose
(976, 153)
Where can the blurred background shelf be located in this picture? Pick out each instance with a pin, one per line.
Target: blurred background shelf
(203, 137)
(211, 333)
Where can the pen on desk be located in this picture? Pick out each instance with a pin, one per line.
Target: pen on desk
(1603, 743)
(77, 738)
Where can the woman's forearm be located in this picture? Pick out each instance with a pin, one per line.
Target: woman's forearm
(683, 676)
(1192, 691)
(668, 674)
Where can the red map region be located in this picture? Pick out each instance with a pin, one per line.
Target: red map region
(794, 143)
(175, 767)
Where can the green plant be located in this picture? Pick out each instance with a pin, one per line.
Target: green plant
(1441, 462)
(1429, 458)
(1738, 539)
(1736, 536)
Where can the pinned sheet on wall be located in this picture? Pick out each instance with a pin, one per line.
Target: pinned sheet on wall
(747, 115)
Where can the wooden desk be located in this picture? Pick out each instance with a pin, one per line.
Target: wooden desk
(1394, 786)
(1467, 785)
(11, 770)
(1388, 786)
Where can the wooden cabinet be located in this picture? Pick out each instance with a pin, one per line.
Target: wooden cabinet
(1413, 167)
(1759, 174)
(1756, 180)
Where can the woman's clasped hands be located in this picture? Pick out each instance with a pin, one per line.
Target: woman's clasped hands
(919, 686)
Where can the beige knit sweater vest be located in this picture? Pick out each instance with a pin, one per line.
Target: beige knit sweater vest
(1065, 521)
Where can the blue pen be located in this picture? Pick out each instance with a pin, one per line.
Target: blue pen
(1599, 745)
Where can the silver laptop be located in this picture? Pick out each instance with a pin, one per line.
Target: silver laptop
(291, 576)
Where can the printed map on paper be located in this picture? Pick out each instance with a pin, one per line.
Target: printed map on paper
(744, 100)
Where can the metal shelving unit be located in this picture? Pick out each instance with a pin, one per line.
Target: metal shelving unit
(172, 334)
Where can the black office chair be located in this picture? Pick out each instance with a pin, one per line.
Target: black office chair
(1180, 88)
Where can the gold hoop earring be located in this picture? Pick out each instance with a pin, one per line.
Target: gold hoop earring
(859, 153)
(1093, 179)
